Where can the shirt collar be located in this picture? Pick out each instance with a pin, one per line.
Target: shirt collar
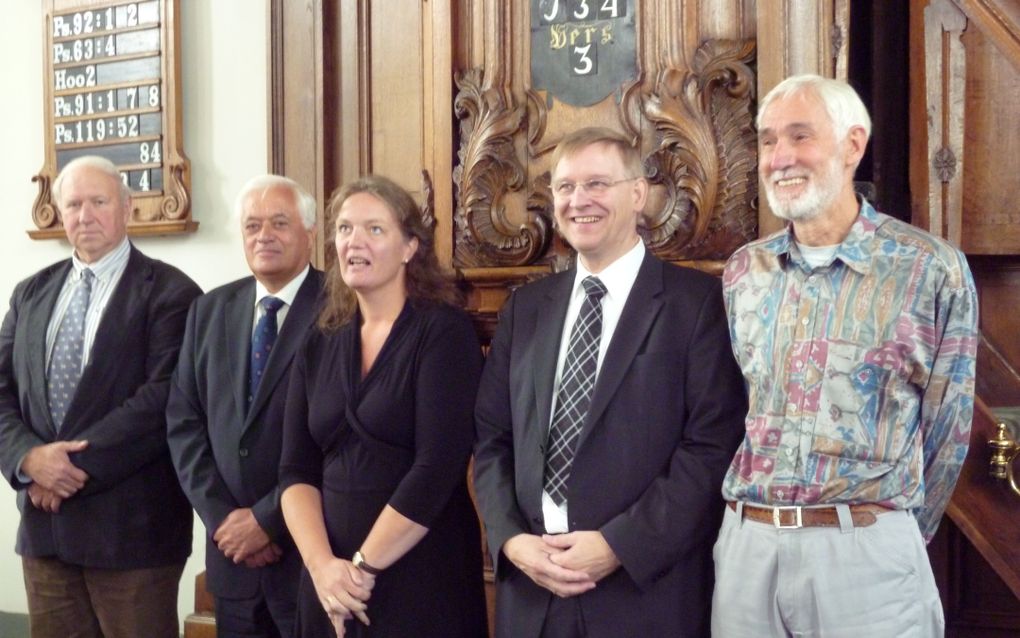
(618, 277)
(106, 265)
(856, 249)
(285, 294)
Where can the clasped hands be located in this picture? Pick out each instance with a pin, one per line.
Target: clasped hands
(54, 477)
(242, 539)
(565, 564)
(343, 591)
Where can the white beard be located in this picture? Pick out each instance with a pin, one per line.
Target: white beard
(821, 192)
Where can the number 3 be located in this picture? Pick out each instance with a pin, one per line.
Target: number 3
(586, 63)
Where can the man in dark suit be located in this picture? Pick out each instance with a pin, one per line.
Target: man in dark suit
(608, 412)
(86, 352)
(225, 410)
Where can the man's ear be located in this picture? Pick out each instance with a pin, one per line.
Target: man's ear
(129, 205)
(640, 194)
(856, 144)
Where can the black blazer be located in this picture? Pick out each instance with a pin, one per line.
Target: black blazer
(227, 455)
(131, 513)
(666, 416)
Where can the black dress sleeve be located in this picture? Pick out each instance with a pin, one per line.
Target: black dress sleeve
(450, 363)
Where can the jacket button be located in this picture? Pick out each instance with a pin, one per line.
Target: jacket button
(243, 452)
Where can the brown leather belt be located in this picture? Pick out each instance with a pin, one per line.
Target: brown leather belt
(795, 516)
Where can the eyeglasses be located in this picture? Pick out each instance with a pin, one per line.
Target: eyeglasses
(593, 187)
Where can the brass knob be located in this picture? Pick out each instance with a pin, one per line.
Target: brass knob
(1004, 452)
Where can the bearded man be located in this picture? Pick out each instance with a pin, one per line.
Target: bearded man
(856, 336)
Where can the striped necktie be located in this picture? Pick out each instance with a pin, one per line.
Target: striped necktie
(576, 385)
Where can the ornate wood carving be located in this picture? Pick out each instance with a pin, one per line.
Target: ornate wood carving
(945, 77)
(176, 202)
(704, 162)
(43, 212)
(706, 155)
(944, 164)
(428, 210)
(488, 170)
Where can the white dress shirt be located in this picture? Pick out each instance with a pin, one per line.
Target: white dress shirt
(618, 278)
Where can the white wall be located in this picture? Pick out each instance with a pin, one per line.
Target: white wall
(224, 84)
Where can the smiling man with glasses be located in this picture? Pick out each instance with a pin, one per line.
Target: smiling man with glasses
(608, 412)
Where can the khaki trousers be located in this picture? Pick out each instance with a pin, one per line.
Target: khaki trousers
(823, 582)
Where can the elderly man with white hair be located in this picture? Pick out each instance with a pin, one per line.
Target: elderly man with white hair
(225, 412)
(86, 352)
(856, 334)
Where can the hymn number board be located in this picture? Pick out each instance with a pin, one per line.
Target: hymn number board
(112, 82)
(582, 50)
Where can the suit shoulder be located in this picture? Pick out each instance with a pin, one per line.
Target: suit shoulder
(221, 294)
(29, 286)
(543, 287)
(687, 281)
(167, 274)
(229, 289)
(317, 277)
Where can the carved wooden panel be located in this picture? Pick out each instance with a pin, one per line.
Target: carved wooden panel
(690, 112)
(964, 161)
(963, 178)
(991, 191)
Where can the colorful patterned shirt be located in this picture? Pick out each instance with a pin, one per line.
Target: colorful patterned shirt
(860, 372)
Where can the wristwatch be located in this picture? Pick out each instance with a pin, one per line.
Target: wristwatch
(359, 562)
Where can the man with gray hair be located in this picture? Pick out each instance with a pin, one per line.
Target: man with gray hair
(856, 334)
(86, 352)
(226, 408)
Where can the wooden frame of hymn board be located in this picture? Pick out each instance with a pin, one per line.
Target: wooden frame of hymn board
(112, 87)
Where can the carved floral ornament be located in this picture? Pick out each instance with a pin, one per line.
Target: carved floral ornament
(944, 163)
(701, 166)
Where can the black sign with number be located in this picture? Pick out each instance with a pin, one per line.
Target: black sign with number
(106, 89)
(582, 50)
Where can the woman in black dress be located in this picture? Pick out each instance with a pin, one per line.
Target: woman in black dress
(377, 435)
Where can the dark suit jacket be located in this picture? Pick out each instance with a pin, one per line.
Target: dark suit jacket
(131, 513)
(228, 455)
(665, 418)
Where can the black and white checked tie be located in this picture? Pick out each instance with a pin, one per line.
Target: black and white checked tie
(65, 360)
(576, 384)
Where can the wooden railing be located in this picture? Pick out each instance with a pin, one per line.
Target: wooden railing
(985, 509)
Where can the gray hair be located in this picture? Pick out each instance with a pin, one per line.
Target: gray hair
(304, 201)
(841, 102)
(97, 162)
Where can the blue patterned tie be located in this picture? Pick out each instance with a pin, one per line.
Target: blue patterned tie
(576, 385)
(262, 343)
(65, 360)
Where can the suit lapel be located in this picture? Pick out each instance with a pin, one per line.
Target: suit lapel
(300, 316)
(643, 305)
(124, 310)
(41, 309)
(238, 317)
(549, 320)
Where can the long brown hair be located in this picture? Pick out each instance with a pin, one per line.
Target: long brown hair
(424, 278)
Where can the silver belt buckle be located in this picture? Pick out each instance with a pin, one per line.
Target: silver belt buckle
(778, 521)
